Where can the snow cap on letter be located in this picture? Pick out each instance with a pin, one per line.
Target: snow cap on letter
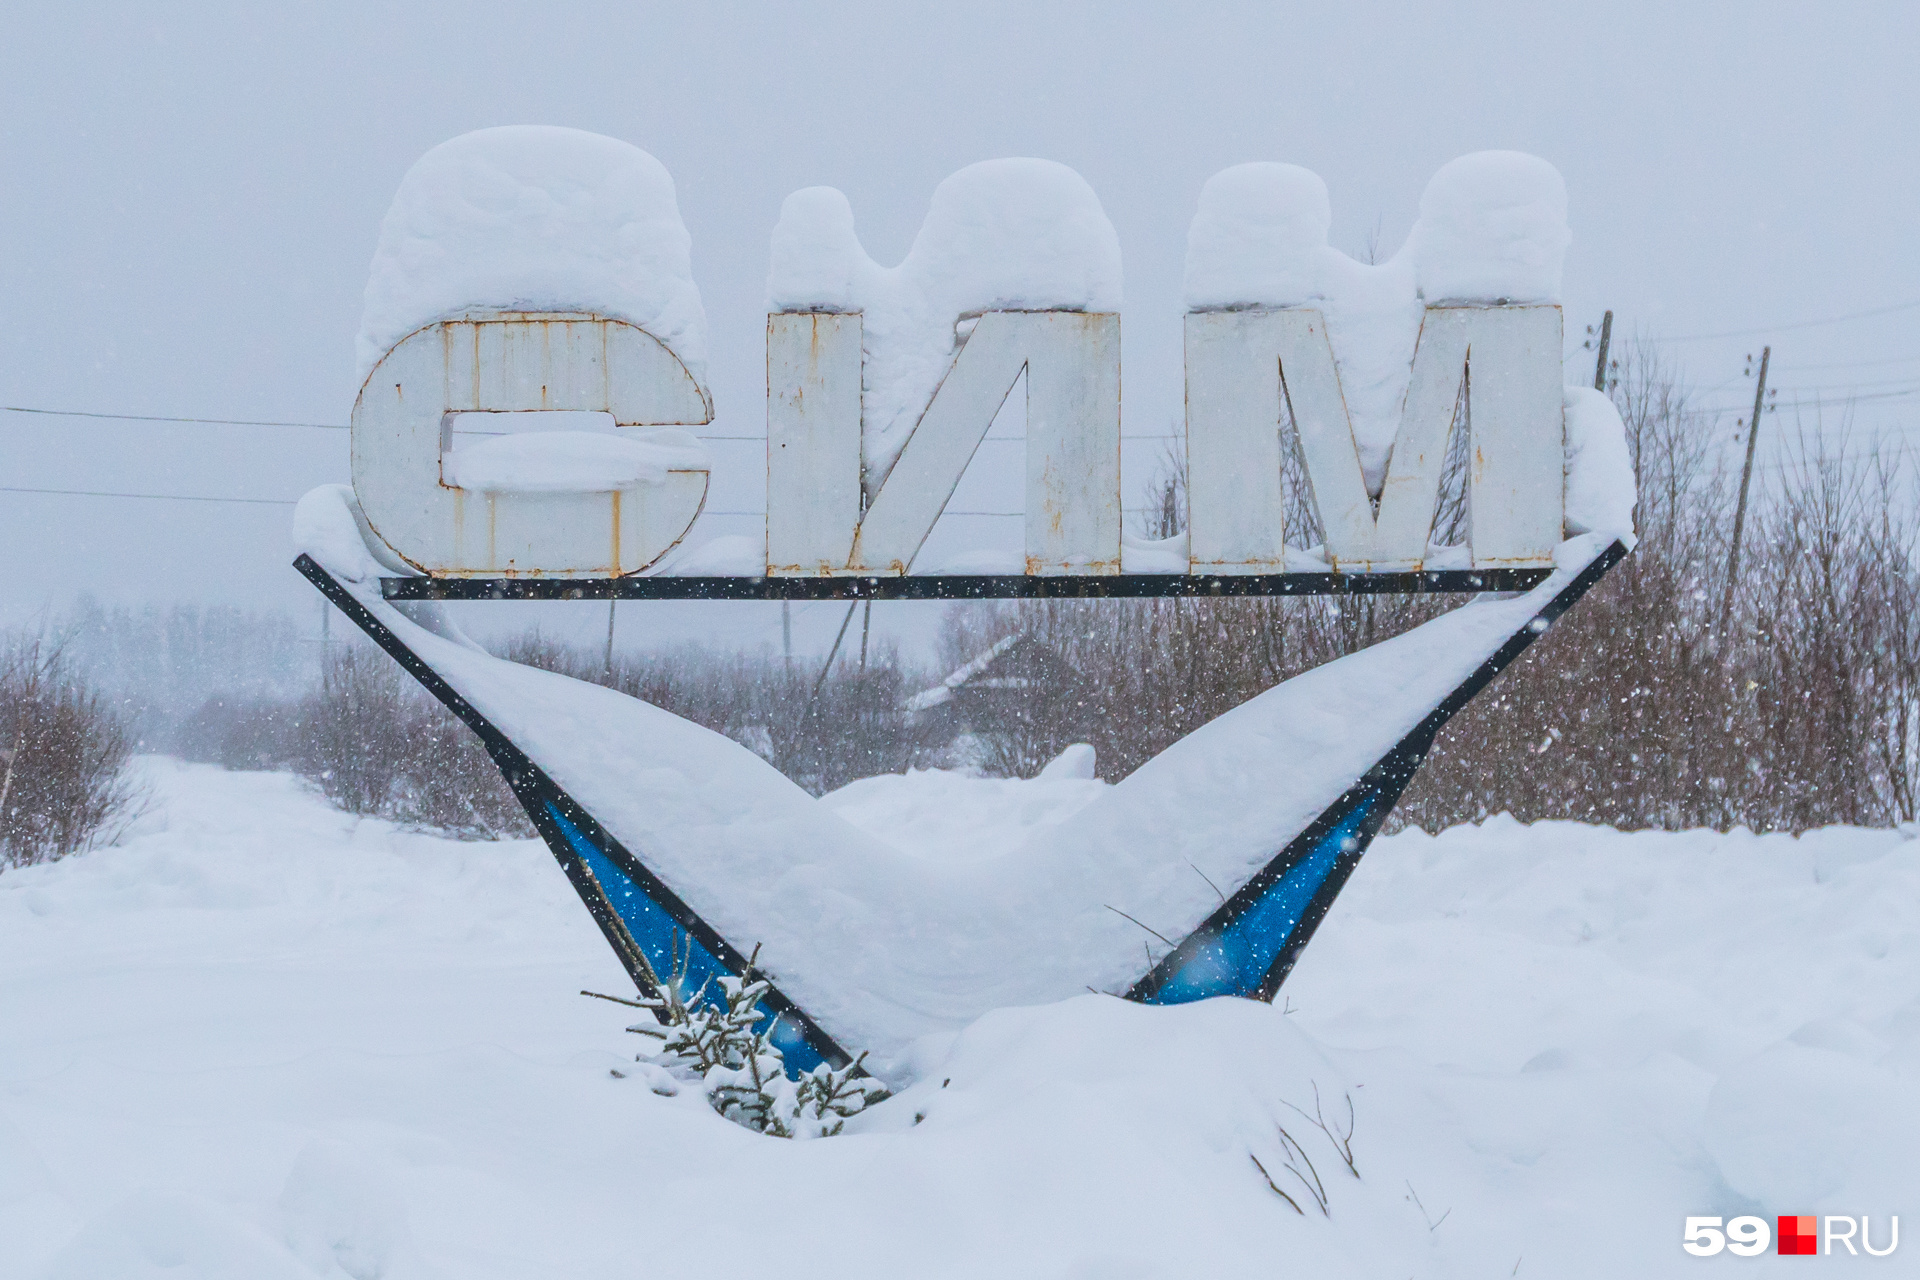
(534, 218)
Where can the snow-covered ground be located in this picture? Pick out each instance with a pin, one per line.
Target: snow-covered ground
(261, 1039)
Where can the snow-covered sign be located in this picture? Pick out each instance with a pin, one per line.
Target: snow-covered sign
(545, 271)
(531, 271)
(528, 270)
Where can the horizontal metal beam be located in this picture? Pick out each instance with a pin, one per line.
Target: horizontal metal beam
(967, 586)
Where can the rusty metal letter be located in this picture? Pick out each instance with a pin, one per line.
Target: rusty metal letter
(507, 362)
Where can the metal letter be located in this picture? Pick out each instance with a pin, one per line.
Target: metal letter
(813, 441)
(1240, 366)
(508, 362)
(1072, 363)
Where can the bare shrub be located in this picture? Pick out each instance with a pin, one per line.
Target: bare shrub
(851, 724)
(354, 743)
(64, 785)
(1637, 708)
(1152, 671)
(821, 727)
(375, 745)
(237, 732)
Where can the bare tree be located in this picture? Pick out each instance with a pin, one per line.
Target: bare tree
(64, 784)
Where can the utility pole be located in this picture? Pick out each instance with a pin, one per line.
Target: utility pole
(1600, 365)
(612, 603)
(786, 634)
(1746, 479)
(866, 624)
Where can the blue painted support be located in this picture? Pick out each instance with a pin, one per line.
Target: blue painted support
(675, 955)
(1235, 960)
(1246, 948)
(638, 914)
(1250, 945)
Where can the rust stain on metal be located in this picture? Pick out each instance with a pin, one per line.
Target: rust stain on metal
(459, 524)
(616, 532)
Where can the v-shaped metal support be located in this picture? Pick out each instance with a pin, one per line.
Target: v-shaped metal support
(1247, 947)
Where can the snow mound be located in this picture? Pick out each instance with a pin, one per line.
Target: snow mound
(882, 946)
(571, 461)
(1013, 234)
(534, 218)
(262, 1039)
(1259, 238)
(1492, 228)
(946, 817)
(1600, 492)
(733, 555)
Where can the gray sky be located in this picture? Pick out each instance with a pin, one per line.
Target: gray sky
(191, 194)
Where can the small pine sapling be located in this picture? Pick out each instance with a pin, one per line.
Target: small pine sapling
(741, 1070)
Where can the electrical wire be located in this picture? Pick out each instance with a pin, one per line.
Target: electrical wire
(157, 497)
(243, 422)
(158, 417)
(1797, 324)
(1852, 364)
(1838, 402)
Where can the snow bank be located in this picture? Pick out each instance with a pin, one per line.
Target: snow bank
(265, 1039)
(1492, 228)
(1154, 555)
(732, 555)
(328, 525)
(534, 218)
(950, 818)
(999, 235)
(571, 461)
(883, 947)
(1601, 492)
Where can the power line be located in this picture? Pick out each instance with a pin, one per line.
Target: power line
(1798, 324)
(245, 422)
(158, 497)
(1838, 402)
(1856, 364)
(157, 417)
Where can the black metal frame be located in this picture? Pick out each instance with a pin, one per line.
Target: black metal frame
(968, 586)
(535, 791)
(1382, 785)
(1378, 789)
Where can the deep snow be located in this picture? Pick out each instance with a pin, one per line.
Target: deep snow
(534, 218)
(882, 947)
(1492, 228)
(262, 1039)
(1011, 234)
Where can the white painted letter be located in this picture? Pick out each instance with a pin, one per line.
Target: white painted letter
(1245, 367)
(813, 441)
(506, 362)
(1072, 363)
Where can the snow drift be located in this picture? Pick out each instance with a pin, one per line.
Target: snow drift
(881, 947)
(265, 1039)
(1492, 229)
(1001, 235)
(534, 218)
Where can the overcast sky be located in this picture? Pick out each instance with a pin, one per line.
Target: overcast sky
(191, 195)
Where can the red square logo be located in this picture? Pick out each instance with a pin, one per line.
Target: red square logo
(1799, 1235)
